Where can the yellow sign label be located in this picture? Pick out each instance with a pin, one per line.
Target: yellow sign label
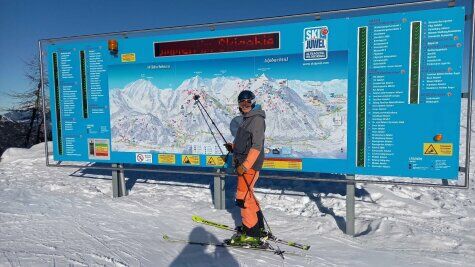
(214, 161)
(285, 164)
(130, 57)
(166, 159)
(438, 149)
(190, 159)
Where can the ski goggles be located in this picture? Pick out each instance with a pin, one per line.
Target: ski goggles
(249, 101)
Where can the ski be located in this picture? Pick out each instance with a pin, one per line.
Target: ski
(226, 245)
(201, 220)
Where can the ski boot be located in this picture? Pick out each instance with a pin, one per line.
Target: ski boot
(238, 229)
(243, 240)
(266, 234)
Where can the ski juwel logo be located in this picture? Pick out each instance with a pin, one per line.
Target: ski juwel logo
(315, 44)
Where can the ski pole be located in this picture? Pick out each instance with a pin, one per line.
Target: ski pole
(254, 196)
(211, 131)
(197, 99)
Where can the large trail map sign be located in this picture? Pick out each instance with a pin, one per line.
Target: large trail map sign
(366, 95)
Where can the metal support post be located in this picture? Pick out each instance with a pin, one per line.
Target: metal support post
(350, 205)
(118, 182)
(219, 193)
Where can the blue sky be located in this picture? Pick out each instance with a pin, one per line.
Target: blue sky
(23, 23)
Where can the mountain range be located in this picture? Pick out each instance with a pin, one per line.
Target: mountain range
(145, 118)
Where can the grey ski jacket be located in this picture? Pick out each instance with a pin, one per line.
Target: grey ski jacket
(250, 134)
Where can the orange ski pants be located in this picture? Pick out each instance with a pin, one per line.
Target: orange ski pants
(249, 213)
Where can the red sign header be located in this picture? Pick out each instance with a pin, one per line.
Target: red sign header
(218, 45)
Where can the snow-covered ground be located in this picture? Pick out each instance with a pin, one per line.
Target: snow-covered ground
(59, 216)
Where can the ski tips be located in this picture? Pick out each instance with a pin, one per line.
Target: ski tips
(196, 218)
(293, 244)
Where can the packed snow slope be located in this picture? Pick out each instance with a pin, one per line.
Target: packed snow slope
(58, 216)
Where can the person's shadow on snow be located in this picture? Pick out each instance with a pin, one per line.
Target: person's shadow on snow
(196, 255)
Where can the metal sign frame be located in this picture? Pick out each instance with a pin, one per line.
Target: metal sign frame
(317, 16)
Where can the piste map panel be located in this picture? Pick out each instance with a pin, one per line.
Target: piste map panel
(376, 95)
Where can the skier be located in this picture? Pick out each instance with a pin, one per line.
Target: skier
(248, 157)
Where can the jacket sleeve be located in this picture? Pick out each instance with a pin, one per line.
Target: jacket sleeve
(257, 130)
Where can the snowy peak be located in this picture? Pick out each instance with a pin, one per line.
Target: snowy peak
(5, 119)
(263, 77)
(17, 116)
(196, 82)
(141, 86)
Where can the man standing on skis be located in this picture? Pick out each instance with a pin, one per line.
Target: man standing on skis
(248, 151)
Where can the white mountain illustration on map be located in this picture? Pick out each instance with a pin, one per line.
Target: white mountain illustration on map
(304, 118)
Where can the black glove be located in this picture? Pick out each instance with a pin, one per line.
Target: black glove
(240, 203)
(229, 147)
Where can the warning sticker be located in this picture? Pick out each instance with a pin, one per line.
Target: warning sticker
(283, 164)
(190, 159)
(130, 57)
(438, 149)
(215, 161)
(143, 158)
(166, 159)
